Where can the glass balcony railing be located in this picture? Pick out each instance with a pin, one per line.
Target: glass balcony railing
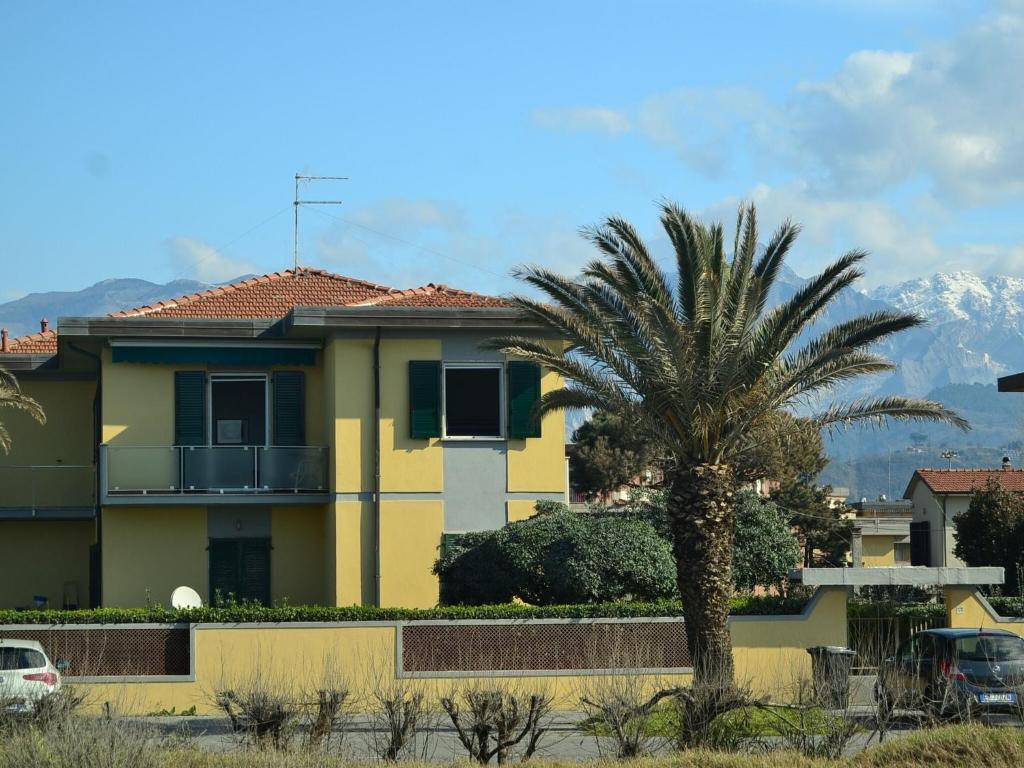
(47, 486)
(147, 470)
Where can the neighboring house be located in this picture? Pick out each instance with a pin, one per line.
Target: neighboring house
(881, 533)
(937, 496)
(298, 436)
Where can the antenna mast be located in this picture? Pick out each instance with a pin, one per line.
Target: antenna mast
(297, 202)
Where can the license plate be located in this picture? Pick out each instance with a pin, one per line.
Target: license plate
(997, 698)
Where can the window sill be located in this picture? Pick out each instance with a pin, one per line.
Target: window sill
(469, 439)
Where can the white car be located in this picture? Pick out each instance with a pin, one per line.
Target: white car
(26, 674)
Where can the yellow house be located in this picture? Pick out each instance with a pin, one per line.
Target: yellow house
(881, 533)
(299, 437)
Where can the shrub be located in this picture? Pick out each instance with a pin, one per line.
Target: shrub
(765, 549)
(559, 557)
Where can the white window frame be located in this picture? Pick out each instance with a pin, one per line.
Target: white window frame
(211, 377)
(500, 367)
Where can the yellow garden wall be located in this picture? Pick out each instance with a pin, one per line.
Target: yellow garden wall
(40, 557)
(770, 653)
(966, 608)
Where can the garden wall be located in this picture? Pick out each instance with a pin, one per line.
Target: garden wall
(143, 668)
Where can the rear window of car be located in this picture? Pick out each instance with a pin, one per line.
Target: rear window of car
(990, 648)
(20, 658)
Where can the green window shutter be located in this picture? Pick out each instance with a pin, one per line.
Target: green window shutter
(523, 395)
(289, 408)
(424, 398)
(190, 408)
(449, 541)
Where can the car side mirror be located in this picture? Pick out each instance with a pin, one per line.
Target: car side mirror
(63, 665)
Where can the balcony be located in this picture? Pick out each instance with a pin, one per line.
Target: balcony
(228, 474)
(47, 491)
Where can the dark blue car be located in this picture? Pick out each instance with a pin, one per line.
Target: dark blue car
(955, 671)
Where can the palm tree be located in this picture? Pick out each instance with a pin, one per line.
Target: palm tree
(702, 366)
(11, 396)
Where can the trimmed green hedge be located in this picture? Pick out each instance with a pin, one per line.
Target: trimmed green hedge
(233, 614)
(882, 610)
(1008, 607)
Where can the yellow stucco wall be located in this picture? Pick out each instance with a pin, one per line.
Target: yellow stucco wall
(148, 551)
(348, 370)
(42, 558)
(297, 555)
(965, 608)
(769, 651)
(518, 509)
(771, 655)
(878, 551)
(538, 463)
(410, 540)
(138, 401)
(350, 530)
(406, 464)
(61, 450)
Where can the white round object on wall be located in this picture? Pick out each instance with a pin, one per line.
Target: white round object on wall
(186, 597)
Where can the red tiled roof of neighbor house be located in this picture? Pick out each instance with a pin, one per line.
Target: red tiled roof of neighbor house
(275, 295)
(969, 480)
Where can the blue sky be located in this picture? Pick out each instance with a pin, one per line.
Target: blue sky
(161, 141)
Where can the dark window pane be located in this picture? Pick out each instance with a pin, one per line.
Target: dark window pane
(20, 658)
(472, 402)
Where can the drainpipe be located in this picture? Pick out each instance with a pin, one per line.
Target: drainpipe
(376, 466)
(97, 435)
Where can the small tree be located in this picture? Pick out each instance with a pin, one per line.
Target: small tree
(824, 535)
(991, 532)
(765, 549)
(609, 454)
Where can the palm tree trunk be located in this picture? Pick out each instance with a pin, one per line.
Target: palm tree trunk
(702, 514)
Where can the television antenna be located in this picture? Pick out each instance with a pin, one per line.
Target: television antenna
(949, 456)
(297, 203)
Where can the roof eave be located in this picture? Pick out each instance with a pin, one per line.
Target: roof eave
(411, 317)
(1012, 383)
(15, 362)
(169, 327)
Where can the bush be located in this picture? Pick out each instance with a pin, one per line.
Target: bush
(559, 557)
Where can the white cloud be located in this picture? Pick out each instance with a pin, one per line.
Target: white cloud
(405, 243)
(203, 262)
(577, 119)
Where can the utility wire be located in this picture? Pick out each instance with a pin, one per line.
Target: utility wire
(409, 243)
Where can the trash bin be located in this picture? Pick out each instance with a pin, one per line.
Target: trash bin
(830, 667)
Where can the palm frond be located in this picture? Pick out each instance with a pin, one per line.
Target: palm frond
(878, 410)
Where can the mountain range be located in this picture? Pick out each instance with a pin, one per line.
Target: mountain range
(974, 334)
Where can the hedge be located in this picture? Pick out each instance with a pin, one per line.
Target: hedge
(234, 614)
(884, 610)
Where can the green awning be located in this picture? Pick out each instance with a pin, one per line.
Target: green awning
(248, 355)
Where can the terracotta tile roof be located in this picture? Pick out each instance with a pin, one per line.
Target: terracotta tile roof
(275, 295)
(43, 343)
(968, 480)
(267, 296)
(436, 295)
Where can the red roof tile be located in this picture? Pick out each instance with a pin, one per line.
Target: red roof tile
(969, 480)
(275, 295)
(267, 296)
(44, 343)
(436, 295)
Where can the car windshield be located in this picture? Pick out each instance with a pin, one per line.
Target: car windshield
(990, 648)
(20, 658)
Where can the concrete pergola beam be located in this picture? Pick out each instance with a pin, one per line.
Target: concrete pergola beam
(915, 576)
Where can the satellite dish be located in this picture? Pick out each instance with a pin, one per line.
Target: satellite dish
(186, 597)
